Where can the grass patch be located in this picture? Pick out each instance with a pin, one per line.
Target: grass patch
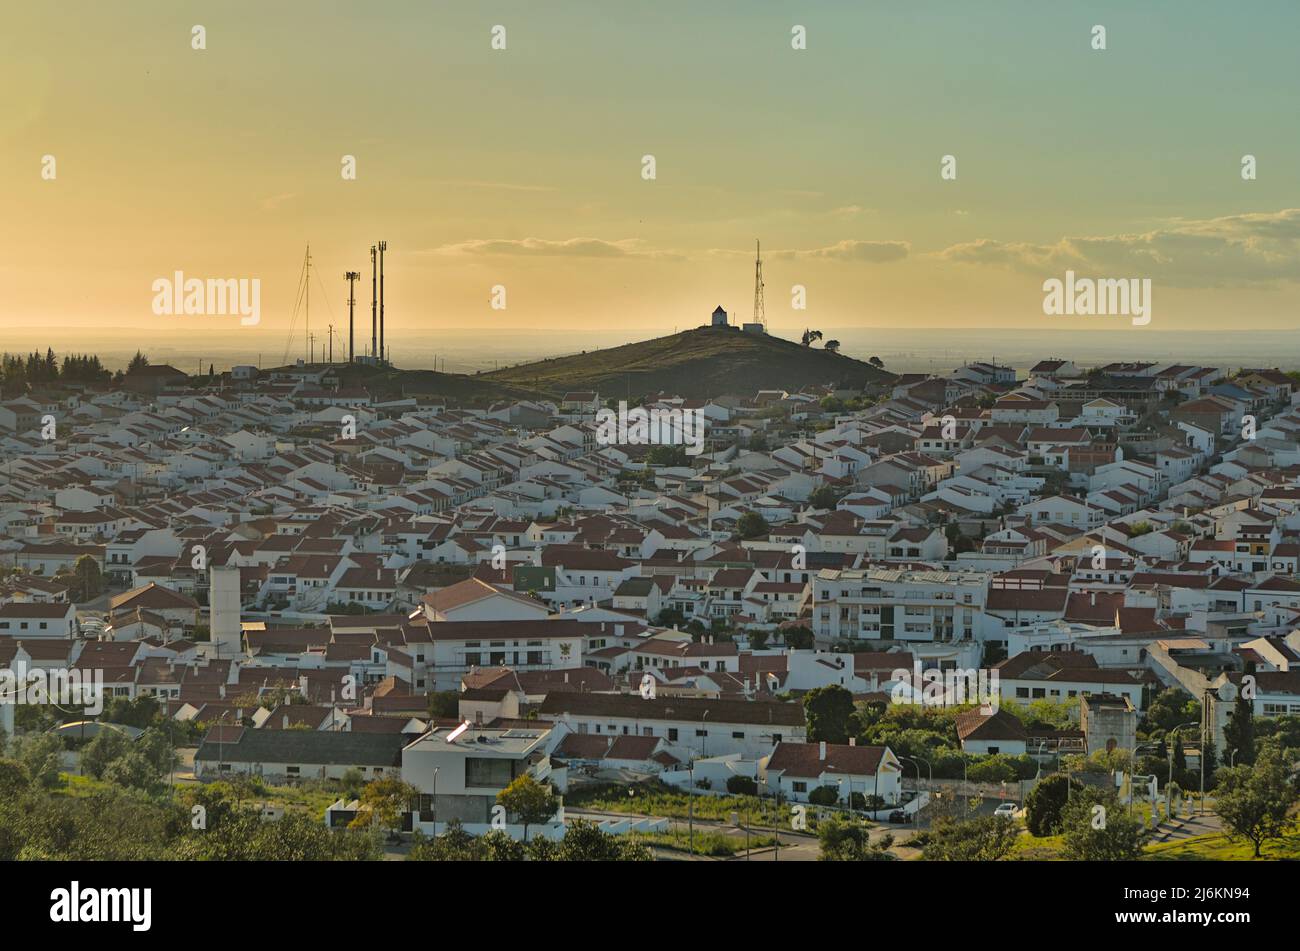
(1217, 847)
(670, 803)
(311, 800)
(81, 787)
(1032, 848)
(706, 843)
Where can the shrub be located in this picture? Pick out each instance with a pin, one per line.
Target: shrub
(742, 786)
(824, 796)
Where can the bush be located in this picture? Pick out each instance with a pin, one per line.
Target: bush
(742, 786)
(1044, 804)
(824, 796)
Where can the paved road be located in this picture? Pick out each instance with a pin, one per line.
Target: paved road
(1180, 829)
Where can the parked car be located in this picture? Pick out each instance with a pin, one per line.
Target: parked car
(1008, 809)
(898, 816)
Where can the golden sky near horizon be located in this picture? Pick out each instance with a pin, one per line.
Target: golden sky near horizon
(523, 167)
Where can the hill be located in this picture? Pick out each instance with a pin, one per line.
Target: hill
(708, 361)
(394, 383)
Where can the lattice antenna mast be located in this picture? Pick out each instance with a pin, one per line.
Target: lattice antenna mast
(352, 278)
(760, 315)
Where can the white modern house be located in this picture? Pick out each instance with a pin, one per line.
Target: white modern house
(460, 770)
(796, 770)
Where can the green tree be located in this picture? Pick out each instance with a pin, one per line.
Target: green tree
(752, 525)
(454, 845)
(1254, 801)
(528, 801)
(444, 704)
(742, 786)
(585, 842)
(498, 846)
(351, 783)
(824, 796)
(142, 712)
(134, 770)
(14, 779)
(1282, 732)
(39, 754)
(106, 747)
(828, 711)
(1097, 828)
(849, 840)
(799, 637)
(983, 839)
(1239, 732)
(1045, 803)
(382, 803)
(824, 498)
(1169, 708)
(90, 580)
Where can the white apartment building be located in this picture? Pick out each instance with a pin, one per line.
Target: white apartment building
(906, 605)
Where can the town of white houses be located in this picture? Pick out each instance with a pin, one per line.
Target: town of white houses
(860, 614)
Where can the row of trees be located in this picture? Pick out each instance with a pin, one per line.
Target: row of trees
(18, 372)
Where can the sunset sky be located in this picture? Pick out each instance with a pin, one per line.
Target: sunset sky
(523, 167)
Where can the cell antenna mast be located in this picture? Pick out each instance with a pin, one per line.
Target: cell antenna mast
(352, 278)
(760, 317)
(307, 273)
(383, 353)
(374, 303)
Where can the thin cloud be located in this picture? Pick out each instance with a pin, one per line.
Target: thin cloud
(496, 186)
(272, 202)
(862, 252)
(542, 247)
(1233, 250)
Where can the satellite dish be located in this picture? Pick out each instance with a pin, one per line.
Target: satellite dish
(1228, 691)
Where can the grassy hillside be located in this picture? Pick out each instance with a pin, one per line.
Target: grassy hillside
(393, 383)
(697, 363)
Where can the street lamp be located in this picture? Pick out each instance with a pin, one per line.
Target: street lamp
(1169, 748)
(690, 807)
(964, 790)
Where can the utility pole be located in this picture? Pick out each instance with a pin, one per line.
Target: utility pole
(383, 354)
(374, 303)
(352, 277)
(331, 337)
(307, 279)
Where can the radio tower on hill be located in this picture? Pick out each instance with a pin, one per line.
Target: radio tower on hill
(760, 316)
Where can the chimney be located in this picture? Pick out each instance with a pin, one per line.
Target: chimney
(286, 721)
(566, 676)
(821, 750)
